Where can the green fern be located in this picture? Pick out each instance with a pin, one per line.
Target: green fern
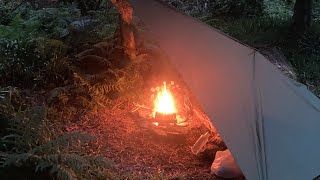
(99, 61)
(55, 157)
(97, 86)
(31, 142)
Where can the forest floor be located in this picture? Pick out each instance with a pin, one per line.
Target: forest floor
(137, 153)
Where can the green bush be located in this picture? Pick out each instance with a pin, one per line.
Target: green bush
(273, 30)
(278, 8)
(32, 142)
(34, 39)
(236, 7)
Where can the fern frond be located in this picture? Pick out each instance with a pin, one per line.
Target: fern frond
(63, 172)
(104, 88)
(56, 157)
(43, 165)
(19, 159)
(82, 81)
(64, 142)
(99, 61)
(98, 86)
(96, 50)
(76, 162)
(83, 101)
(30, 128)
(100, 161)
(103, 77)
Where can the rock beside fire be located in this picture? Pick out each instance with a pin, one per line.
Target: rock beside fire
(169, 128)
(170, 133)
(164, 118)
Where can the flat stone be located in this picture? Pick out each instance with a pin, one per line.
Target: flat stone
(170, 134)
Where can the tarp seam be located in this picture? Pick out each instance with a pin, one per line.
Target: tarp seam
(255, 135)
(258, 126)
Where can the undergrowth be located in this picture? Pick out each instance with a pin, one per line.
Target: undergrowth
(272, 29)
(31, 39)
(77, 60)
(37, 145)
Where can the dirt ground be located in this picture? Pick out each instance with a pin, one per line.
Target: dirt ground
(135, 150)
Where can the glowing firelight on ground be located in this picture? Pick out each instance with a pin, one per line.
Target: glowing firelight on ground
(164, 102)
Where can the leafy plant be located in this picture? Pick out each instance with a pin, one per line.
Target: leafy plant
(272, 30)
(278, 8)
(34, 40)
(32, 143)
(11, 100)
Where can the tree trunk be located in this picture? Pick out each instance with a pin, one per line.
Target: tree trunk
(302, 16)
(126, 28)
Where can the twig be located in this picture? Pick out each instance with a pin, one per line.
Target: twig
(117, 105)
(138, 106)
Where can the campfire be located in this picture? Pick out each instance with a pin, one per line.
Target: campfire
(164, 102)
(165, 111)
(169, 117)
(165, 116)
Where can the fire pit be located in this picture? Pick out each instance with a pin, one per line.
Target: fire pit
(165, 120)
(164, 110)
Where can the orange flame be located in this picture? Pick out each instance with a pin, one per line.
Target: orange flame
(164, 101)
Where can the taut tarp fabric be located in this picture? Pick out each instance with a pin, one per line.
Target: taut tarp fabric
(269, 122)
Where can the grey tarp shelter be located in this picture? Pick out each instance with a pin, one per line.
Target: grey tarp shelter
(270, 123)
